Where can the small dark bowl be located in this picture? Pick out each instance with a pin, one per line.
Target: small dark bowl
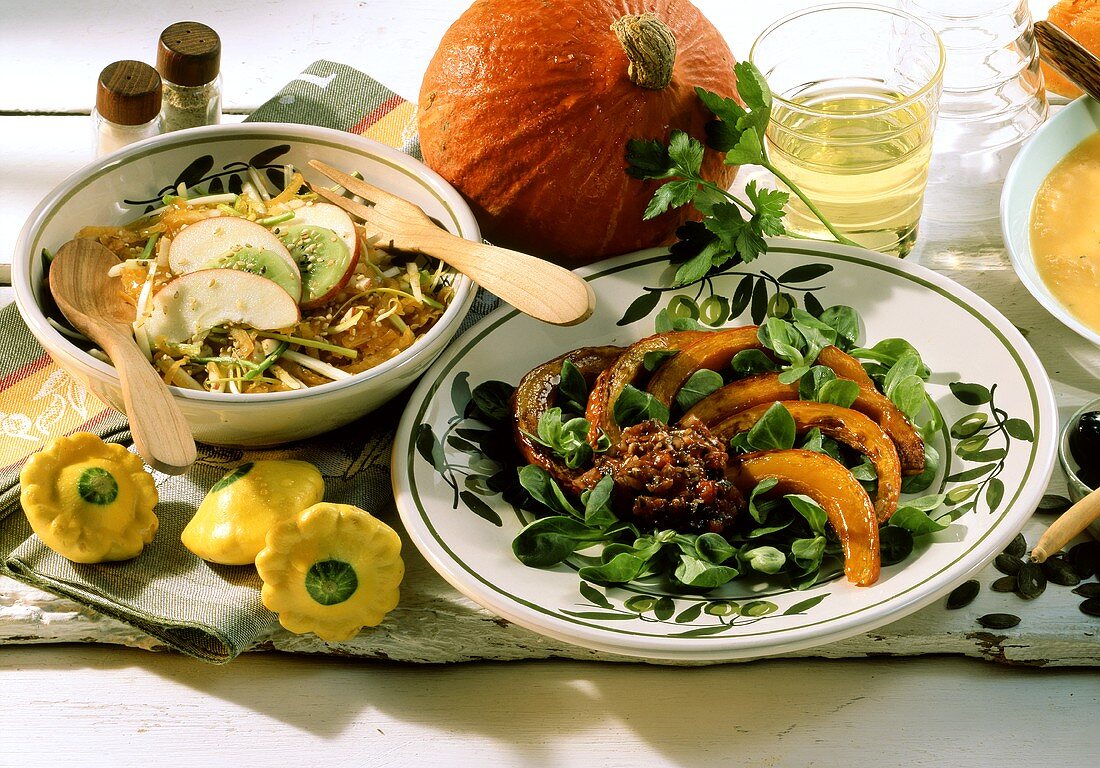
(1078, 489)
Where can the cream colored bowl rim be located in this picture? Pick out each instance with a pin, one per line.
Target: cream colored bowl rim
(27, 247)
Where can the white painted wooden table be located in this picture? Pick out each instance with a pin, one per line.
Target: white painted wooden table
(107, 705)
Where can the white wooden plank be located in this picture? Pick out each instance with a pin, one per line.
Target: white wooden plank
(117, 706)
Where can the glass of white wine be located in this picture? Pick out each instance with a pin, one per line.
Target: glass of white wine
(856, 88)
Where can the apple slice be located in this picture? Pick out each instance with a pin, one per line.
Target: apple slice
(198, 301)
(328, 216)
(324, 260)
(232, 243)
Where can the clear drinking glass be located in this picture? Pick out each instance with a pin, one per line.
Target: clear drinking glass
(856, 89)
(993, 100)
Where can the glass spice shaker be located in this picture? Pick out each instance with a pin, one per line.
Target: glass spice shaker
(127, 105)
(189, 61)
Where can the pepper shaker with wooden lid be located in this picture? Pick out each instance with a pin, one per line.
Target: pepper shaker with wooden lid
(189, 61)
(127, 105)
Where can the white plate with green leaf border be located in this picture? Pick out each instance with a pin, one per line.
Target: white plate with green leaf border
(992, 478)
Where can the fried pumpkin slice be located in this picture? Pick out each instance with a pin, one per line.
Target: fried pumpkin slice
(739, 395)
(766, 388)
(537, 392)
(907, 440)
(879, 407)
(628, 370)
(713, 351)
(844, 425)
(844, 365)
(830, 484)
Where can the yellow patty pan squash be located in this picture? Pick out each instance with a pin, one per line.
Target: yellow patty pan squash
(332, 570)
(88, 500)
(231, 524)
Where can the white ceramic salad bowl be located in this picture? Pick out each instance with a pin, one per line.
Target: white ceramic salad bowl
(120, 187)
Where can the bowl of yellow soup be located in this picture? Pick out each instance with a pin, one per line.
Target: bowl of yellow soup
(1050, 216)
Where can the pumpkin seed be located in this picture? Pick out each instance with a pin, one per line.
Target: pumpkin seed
(999, 620)
(1084, 558)
(963, 595)
(1017, 547)
(1091, 606)
(1052, 504)
(1008, 564)
(1059, 572)
(1092, 589)
(1030, 581)
(1004, 584)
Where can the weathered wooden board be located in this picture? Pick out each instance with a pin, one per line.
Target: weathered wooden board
(435, 624)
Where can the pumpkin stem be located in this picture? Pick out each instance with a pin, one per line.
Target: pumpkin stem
(651, 48)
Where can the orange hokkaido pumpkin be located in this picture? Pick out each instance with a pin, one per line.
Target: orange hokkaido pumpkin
(527, 108)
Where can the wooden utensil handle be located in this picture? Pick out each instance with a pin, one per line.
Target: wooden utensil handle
(536, 287)
(1069, 57)
(1071, 522)
(161, 435)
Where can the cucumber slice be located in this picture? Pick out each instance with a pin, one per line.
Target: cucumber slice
(328, 216)
(323, 259)
(265, 264)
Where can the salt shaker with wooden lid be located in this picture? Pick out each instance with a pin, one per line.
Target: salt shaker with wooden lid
(189, 61)
(127, 105)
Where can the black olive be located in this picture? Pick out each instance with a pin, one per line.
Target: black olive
(1084, 445)
(1090, 477)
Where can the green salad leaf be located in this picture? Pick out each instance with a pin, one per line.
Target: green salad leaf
(634, 406)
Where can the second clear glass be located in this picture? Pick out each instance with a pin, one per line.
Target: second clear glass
(993, 100)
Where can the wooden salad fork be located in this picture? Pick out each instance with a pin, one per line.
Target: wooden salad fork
(535, 287)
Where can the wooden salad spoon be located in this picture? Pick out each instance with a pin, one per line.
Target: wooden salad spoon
(535, 287)
(1078, 64)
(92, 301)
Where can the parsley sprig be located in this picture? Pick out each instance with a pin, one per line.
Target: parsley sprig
(732, 228)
